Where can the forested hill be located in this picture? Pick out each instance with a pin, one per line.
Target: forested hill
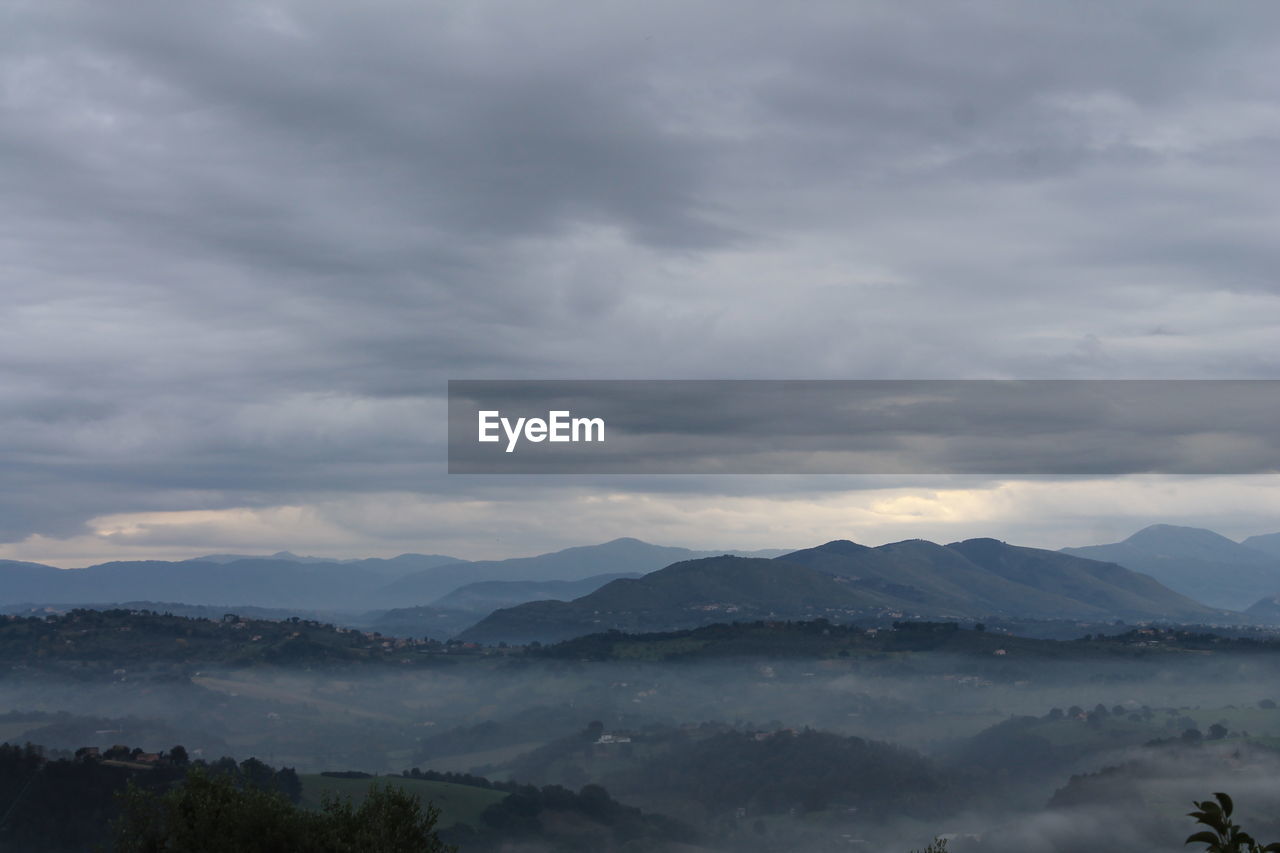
(847, 582)
(103, 639)
(89, 641)
(822, 639)
(72, 804)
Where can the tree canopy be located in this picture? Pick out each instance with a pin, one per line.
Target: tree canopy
(208, 813)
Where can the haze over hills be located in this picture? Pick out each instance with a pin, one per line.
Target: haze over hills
(489, 595)
(1198, 563)
(619, 556)
(1267, 543)
(392, 567)
(976, 579)
(278, 555)
(1266, 611)
(468, 604)
(262, 583)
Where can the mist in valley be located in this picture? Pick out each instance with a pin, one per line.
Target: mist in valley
(766, 752)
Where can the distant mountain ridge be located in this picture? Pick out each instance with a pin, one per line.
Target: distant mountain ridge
(1198, 563)
(278, 555)
(262, 583)
(977, 578)
(489, 595)
(972, 579)
(468, 604)
(1267, 543)
(619, 556)
(286, 581)
(391, 567)
(1266, 611)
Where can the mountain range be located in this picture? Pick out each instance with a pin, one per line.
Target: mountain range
(977, 578)
(393, 567)
(284, 580)
(620, 556)
(1161, 572)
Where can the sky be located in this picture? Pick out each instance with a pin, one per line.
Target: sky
(244, 245)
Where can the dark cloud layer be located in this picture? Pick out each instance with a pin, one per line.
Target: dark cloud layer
(242, 246)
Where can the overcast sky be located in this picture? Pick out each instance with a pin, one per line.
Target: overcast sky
(244, 245)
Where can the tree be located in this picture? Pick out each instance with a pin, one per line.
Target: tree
(206, 814)
(209, 814)
(257, 774)
(390, 820)
(288, 783)
(938, 845)
(1223, 834)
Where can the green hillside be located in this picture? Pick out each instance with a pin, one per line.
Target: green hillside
(457, 803)
(841, 580)
(693, 592)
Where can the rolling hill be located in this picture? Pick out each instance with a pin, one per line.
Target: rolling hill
(985, 577)
(685, 594)
(842, 580)
(1195, 562)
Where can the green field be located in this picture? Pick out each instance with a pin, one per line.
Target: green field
(457, 803)
(470, 761)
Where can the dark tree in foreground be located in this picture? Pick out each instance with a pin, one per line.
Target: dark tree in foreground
(209, 814)
(1224, 835)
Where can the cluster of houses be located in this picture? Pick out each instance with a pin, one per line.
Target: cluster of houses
(122, 756)
(613, 738)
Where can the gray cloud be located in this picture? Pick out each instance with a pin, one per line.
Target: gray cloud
(244, 245)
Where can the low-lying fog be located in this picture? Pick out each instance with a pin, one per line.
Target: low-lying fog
(996, 758)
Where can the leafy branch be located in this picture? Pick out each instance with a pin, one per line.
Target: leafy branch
(1224, 835)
